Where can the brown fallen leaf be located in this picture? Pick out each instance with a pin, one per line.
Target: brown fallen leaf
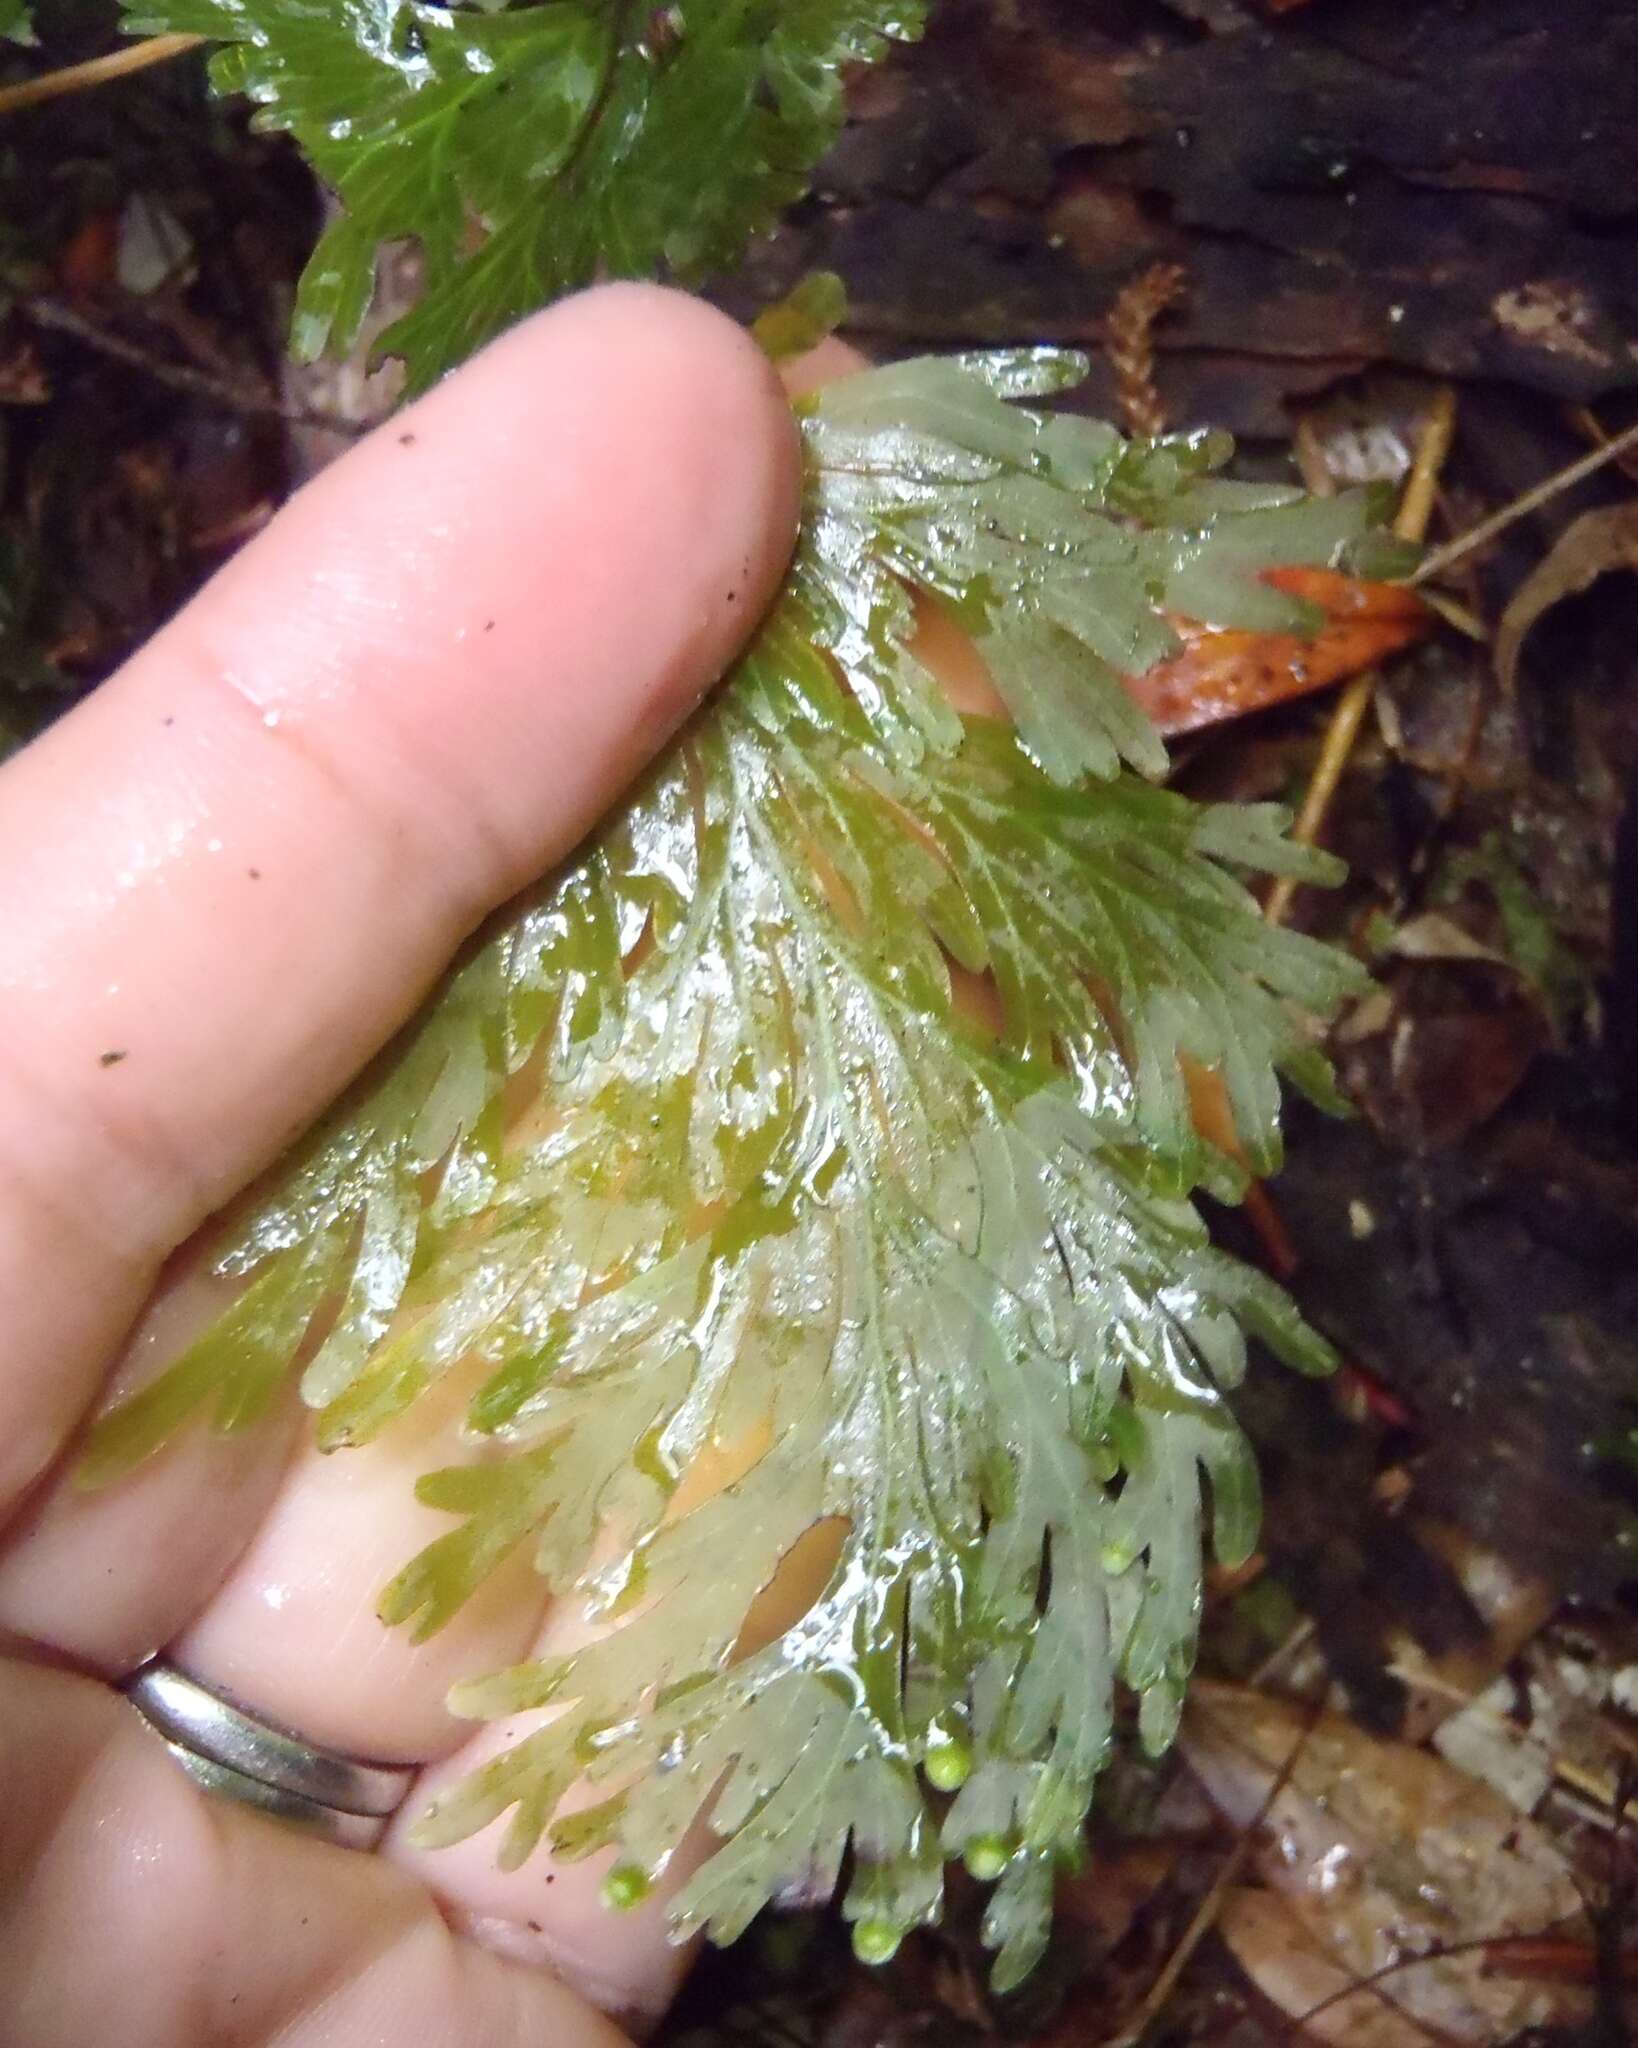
(1393, 1862)
(1589, 547)
(1218, 672)
(1513, 1606)
(1300, 1975)
(1223, 672)
(1103, 1901)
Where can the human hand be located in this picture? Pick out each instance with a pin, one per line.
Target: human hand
(224, 881)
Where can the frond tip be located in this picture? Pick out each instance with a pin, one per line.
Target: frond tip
(699, 1163)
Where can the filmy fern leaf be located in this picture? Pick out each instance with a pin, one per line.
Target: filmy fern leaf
(700, 1157)
(531, 149)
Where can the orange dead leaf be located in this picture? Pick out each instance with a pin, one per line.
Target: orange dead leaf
(1223, 672)
(86, 261)
(1212, 1117)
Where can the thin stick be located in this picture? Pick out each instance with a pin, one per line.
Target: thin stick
(1440, 1952)
(1299, 1637)
(1587, 423)
(52, 313)
(1410, 523)
(1457, 616)
(1206, 1914)
(1562, 480)
(54, 85)
(1421, 488)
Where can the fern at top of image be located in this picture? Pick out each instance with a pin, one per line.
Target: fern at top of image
(580, 139)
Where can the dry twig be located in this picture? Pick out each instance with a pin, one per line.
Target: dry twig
(1521, 507)
(52, 313)
(55, 85)
(1410, 523)
(1206, 1913)
(1591, 428)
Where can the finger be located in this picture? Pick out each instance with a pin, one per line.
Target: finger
(341, 1526)
(412, 692)
(547, 1913)
(339, 1531)
(138, 1912)
(108, 1578)
(554, 1912)
(79, 1575)
(295, 1631)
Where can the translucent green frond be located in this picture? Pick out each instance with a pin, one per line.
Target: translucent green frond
(763, 1185)
(530, 149)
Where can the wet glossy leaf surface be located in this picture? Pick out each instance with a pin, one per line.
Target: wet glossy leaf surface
(528, 150)
(768, 1185)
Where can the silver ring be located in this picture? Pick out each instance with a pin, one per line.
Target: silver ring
(230, 1752)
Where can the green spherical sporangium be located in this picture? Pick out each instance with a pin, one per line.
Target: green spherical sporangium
(948, 1766)
(986, 1856)
(876, 1941)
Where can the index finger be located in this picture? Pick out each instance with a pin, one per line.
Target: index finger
(233, 872)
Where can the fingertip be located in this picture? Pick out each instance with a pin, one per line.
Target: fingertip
(827, 362)
(730, 414)
(580, 529)
(710, 357)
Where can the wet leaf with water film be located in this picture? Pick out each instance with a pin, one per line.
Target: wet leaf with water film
(699, 1162)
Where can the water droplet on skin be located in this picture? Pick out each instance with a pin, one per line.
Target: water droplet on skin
(213, 845)
(271, 718)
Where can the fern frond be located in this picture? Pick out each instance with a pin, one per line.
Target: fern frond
(762, 1189)
(528, 150)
